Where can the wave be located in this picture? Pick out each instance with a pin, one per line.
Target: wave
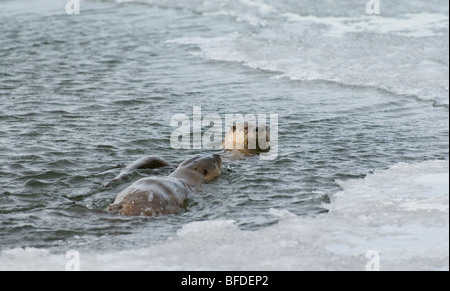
(404, 52)
(409, 24)
(398, 70)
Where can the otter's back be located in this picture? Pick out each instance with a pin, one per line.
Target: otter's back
(152, 196)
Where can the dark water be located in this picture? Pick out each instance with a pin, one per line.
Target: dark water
(84, 95)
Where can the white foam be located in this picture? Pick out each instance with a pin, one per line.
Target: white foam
(415, 25)
(23, 259)
(262, 7)
(392, 53)
(402, 213)
(404, 71)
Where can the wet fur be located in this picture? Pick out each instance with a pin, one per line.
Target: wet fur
(246, 138)
(167, 195)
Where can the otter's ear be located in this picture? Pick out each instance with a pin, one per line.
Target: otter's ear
(205, 172)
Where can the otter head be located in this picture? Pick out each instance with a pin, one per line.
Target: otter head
(247, 137)
(202, 169)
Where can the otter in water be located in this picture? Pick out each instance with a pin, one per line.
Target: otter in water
(167, 195)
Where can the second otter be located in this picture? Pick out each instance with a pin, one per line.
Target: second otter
(247, 138)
